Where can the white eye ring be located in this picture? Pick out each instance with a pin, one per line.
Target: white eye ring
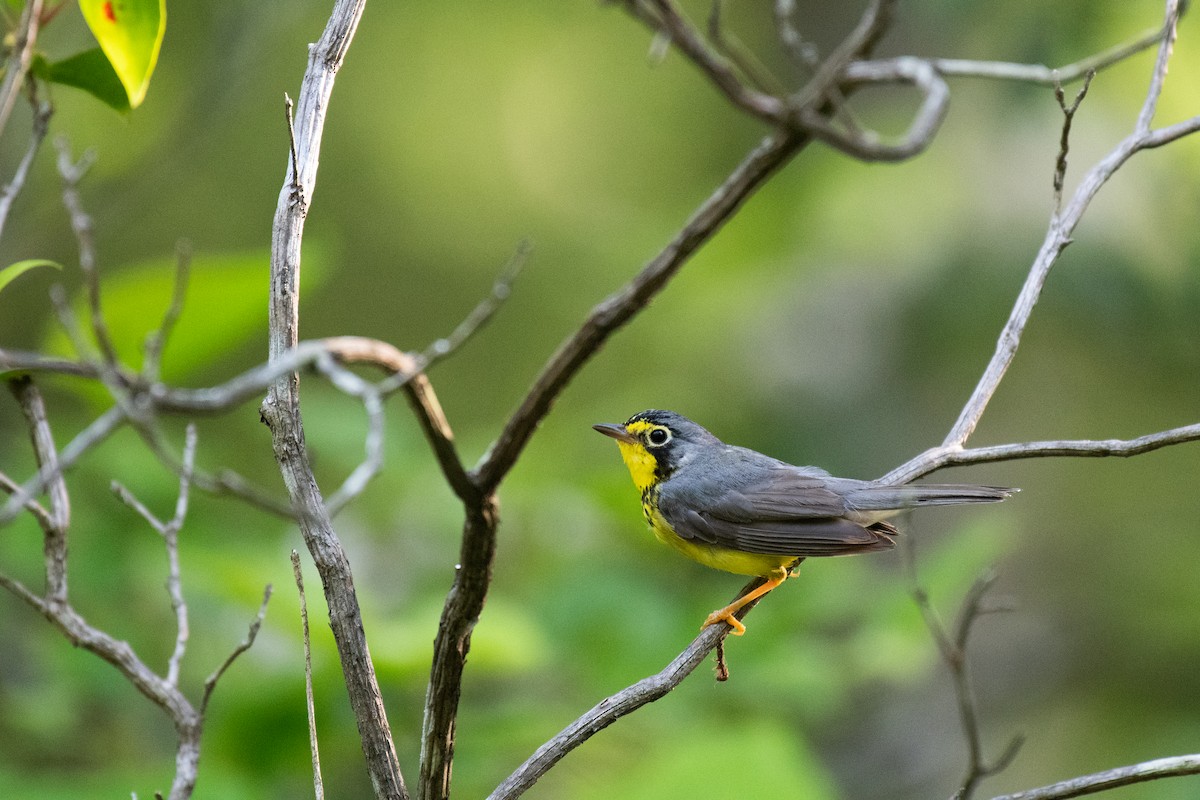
(658, 437)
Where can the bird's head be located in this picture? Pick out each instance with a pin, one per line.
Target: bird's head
(654, 444)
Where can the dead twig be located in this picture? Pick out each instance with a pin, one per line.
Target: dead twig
(952, 646)
(318, 783)
(1171, 767)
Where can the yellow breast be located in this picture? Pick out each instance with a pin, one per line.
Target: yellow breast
(710, 555)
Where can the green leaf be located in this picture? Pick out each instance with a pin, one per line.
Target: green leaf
(225, 305)
(130, 33)
(89, 71)
(14, 271)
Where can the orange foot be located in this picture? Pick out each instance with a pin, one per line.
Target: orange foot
(726, 614)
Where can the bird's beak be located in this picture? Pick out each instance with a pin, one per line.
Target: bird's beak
(617, 432)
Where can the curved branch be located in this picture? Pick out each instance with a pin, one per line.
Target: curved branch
(1172, 767)
(618, 705)
(1062, 225)
(937, 458)
(1049, 76)
(663, 17)
(866, 146)
(619, 308)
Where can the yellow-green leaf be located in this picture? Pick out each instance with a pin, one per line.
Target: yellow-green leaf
(130, 33)
(14, 271)
(90, 71)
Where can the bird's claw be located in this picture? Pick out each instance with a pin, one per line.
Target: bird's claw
(726, 616)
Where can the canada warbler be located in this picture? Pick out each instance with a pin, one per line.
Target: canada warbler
(738, 510)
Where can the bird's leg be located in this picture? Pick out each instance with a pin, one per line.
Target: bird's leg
(726, 614)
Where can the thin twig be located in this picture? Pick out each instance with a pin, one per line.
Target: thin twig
(1058, 237)
(953, 650)
(1158, 75)
(100, 429)
(618, 705)
(738, 54)
(156, 340)
(169, 531)
(1064, 142)
(802, 52)
(171, 539)
(1171, 767)
(210, 682)
(1049, 76)
(318, 784)
(663, 16)
(288, 108)
(42, 111)
(866, 145)
(49, 462)
(937, 458)
(857, 44)
(479, 316)
(19, 59)
(72, 173)
(39, 512)
(349, 383)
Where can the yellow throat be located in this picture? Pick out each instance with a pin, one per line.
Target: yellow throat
(641, 463)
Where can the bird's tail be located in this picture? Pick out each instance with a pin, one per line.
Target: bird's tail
(895, 498)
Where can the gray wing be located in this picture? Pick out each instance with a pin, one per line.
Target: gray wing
(772, 509)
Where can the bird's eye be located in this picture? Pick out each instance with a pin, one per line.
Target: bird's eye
(658, 437)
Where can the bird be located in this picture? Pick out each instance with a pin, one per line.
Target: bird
(735, 509)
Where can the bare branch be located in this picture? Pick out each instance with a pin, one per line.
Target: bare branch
(72, 173)
(19, 59)
(663, 16)
(353, 349)
(1057, 238)
(953, 456)
(464, 602)
(619, 308)
(1064, 145)
(169, 531)
(866, 145)
(1159, 75)
(24, 361)
(288, 108)
(157, 339)
(318, 784)
(480, 315)
(738, 54)
(210, 683)
(618, 705)
(356, 482)
(42, 112)
(1049, 76)
(39, 512)
(953, 650)
(170, 534)
(281, 409)
(802, 52)
(857, 44)
(100, 429)
(49, 464)
(1172, 767)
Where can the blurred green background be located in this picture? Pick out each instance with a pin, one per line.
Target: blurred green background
(840, 319)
